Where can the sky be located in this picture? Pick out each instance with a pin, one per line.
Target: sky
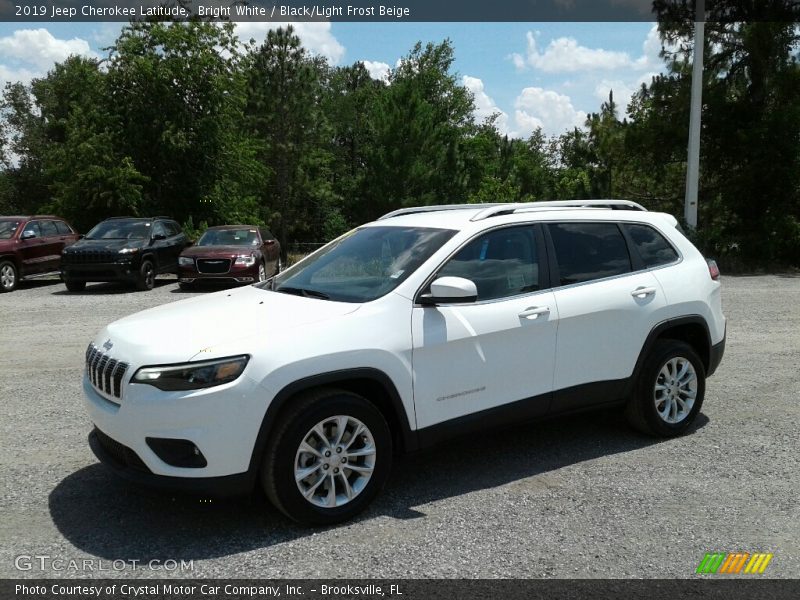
(547, 75)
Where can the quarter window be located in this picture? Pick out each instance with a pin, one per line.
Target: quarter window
(652, 247)
(63, 228)
(501, 263)
(588, 251)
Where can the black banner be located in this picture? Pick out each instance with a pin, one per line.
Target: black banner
(735, 588)
(397, 10)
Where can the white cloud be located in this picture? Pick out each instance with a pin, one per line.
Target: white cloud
(623, 89)
(484, 105)
(565, 55)
(38, 48)
(316, 36)
(553, 112)
(377, 70)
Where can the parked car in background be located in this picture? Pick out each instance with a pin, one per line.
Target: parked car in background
(127, 249)
(231, 254)
(31, 246)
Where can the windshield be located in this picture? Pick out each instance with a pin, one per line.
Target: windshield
(7, 228)
(229, 237)
(120, 230)
(362, 265)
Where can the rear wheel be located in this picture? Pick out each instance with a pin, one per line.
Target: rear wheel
(670, 390)
(75, 286)
(330, 456)
(147, 276)
(9, 278)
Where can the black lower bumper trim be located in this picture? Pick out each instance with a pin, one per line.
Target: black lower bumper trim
(219, 487)
(717, 351)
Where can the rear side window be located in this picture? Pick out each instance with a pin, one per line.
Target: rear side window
(654, 249)
(63, 228)
(587, 251)
(48, 228)
(502, 263)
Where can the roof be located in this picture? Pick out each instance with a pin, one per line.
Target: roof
(224, 227)
(478, 216)
(28, 217)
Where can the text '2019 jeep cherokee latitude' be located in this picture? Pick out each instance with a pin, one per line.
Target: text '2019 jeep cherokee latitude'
(425, 324)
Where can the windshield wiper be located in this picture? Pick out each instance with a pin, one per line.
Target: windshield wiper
(302, 292)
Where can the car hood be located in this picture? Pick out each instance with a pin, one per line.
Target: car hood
(109, 245)
(218, 251)
(181, 330)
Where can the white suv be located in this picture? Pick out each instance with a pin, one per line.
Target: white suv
(425, 324)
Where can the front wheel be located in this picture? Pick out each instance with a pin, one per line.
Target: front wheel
(147, 276)
(8, 276)
(75, 286)
(330, 456)
(669, 391)
(262, 272)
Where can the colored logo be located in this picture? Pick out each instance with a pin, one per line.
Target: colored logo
(734, 562)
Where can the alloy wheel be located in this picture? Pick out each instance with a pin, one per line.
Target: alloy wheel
(335, 461)
(8, 277)
(675, 390)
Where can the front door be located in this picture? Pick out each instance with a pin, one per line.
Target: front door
(497, 350)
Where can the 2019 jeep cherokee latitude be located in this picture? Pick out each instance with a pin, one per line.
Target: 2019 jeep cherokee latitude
(422, 325)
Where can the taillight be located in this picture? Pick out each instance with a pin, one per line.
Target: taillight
(713, 269)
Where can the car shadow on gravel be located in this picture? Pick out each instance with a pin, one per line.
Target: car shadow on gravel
(93, 289)
(107, 517)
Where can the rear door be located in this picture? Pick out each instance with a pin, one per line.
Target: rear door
(51, 245)
(606, 310)
(500, 349)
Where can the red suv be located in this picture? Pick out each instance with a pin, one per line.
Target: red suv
(31, 246)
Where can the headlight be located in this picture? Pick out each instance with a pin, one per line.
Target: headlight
(245, 260)
(129, 250)
(194, 375)
(185, 261)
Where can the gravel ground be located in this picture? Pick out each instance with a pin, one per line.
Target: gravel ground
(578, 497)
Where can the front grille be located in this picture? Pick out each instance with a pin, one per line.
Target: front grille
(104, 372)
(88, 257)
(213, 266)
(120, 453)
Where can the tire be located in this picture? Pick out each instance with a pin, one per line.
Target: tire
(370, 449)
(147, 276)
(75, 286)
(278, 266)
(262, 272)
(9, 276)
(662, 404)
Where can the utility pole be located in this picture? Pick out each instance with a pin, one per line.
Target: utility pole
(693, 158)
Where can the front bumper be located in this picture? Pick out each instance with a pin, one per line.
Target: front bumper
(127, 465)
(222, 422)
(236, 274)
(119, 271)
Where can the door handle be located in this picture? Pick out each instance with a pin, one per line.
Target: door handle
(643, 292)
(533, 312)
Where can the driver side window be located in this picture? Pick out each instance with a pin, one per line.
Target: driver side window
(32, 227)
(158, 229)
(502, 263)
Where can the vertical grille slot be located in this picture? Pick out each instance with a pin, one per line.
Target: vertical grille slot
(105, 373)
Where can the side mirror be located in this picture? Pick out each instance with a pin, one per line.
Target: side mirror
(27, 235)
(269, 242)
(450, 290)
(159, 236)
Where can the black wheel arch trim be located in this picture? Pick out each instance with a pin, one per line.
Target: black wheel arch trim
(406, 435)
(663, 327)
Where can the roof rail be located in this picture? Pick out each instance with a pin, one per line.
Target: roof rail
(437, 208)
(507, 209)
